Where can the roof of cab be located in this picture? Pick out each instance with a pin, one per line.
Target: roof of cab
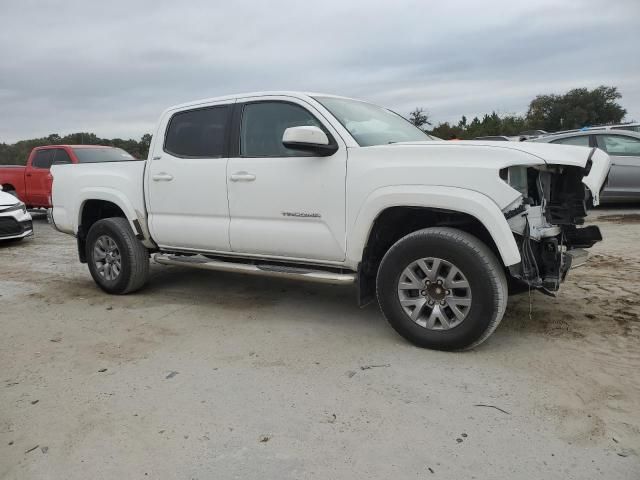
(283, 93)
(41, 147)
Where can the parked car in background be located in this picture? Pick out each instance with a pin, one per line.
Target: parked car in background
(335, 190)
(15, 221)
(623, 146)
(32, 183)
(631, 127)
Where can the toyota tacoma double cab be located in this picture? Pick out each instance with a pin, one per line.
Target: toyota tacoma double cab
(330, 189)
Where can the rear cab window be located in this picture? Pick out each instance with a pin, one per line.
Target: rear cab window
(102, 154)
(61, 157)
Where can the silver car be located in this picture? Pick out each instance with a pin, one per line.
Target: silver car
(623, 146)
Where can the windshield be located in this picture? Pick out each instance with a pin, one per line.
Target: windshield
(97, 155)
(372, 125)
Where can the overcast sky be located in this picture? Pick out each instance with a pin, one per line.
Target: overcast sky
(112, 67)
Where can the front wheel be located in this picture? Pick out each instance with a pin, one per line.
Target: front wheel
(118, 262)
(442, 288)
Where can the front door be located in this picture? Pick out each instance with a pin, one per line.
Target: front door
(285, 202)
(624, 177)
(186, 180)
(38, 178)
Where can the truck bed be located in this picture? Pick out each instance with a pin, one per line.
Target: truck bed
(120, 183)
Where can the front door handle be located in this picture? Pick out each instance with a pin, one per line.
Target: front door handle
(162, 177)
(242, 177)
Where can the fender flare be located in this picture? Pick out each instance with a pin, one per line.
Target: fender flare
(453, 199)
(117, 198)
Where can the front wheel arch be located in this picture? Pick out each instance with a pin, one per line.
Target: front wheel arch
(394, 223)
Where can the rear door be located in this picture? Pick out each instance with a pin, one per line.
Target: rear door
(285, 202)
(624, 178)
(186, 179)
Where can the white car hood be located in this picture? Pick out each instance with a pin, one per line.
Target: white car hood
(570, 155)
(6, 199)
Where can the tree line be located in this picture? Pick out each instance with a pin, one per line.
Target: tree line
(574, 109)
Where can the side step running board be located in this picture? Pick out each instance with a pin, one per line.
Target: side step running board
(269, 270)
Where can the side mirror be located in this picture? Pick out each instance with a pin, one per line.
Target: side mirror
(310, 139)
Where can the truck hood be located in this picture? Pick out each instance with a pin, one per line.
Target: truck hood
(7, 199)
(550, 154)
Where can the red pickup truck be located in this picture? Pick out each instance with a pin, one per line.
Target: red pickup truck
(32, 184)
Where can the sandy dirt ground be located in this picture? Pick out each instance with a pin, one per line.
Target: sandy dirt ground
(206, 375)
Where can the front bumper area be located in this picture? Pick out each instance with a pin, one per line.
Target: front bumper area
(547, 220)
(10, 228)
(546, 262)
(15, 222)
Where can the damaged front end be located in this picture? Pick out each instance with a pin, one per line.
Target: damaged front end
(545, 219)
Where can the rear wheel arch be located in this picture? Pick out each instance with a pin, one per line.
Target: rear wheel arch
(118, 262)
(92, 211)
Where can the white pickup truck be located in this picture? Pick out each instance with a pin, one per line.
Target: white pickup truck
(335, 190)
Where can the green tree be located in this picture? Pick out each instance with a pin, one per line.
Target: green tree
(145, 143)
(419, 117)
(577, 108)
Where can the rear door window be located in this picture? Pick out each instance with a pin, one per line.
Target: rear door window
(198, 133)
(581, 140)
(43, 159)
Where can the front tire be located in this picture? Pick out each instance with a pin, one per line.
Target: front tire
(442, 288)
(118, 262)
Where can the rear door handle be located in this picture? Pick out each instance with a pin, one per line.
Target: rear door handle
(162, 177)
(242, 177)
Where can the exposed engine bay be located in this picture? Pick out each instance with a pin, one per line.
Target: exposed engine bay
(545, 222)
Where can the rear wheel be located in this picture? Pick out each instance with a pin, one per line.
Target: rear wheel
(442, 288)
(118, 262)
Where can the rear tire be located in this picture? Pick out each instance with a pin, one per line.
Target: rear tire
(461, 293)
(118, 262)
